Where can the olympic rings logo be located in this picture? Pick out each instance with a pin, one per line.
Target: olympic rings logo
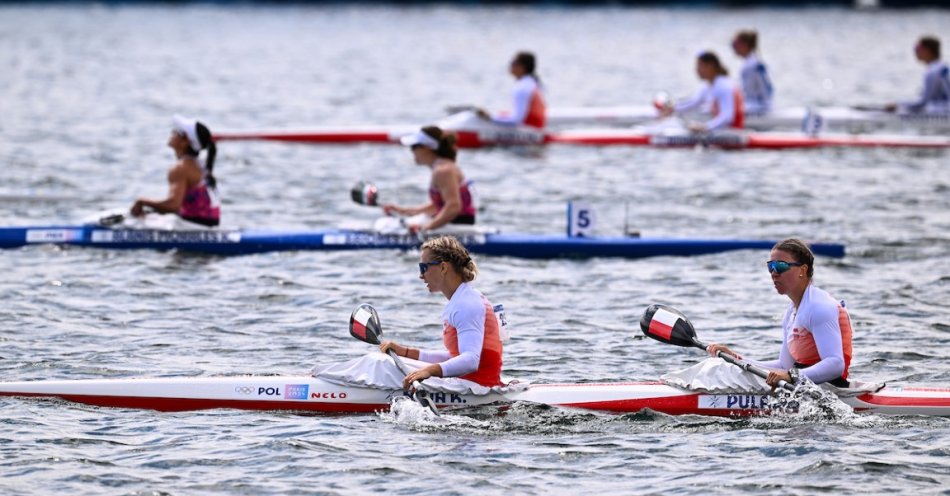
(243, 389)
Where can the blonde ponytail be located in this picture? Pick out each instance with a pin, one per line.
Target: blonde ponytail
(451, 251)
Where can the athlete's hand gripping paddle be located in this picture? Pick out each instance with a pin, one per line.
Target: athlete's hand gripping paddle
(668, 325)
(365, 326)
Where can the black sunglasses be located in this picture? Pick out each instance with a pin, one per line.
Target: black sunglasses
(424, 266)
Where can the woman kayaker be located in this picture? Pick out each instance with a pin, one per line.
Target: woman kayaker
(528, 108)
(191, 184)
(756, 84)
(935, 97)
(719, 92)
(470, 331)
(817, 329)
(450, 195)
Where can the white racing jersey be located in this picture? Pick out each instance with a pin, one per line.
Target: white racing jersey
(756, 86)
(935, 97)
(724, 100)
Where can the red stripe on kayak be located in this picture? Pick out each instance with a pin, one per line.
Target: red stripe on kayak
(311, 136)
(883, 400)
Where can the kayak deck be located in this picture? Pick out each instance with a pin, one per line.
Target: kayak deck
(243, 242)
(306, 393)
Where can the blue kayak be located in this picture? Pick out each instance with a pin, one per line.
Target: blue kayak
(249, 241)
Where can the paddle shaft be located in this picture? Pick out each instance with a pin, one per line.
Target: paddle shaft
(418, 394)
(744, 365)
(871, 108)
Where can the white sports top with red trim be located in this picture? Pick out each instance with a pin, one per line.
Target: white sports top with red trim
(724, 101)
(818, 335)
(473, 349)
(529, 108)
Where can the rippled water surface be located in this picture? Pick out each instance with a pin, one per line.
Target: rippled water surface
(86, 93)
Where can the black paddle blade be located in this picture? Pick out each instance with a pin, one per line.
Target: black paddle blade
(365, 193)
(669, 325)
(364, 324)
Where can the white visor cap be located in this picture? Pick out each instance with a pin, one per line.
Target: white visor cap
(420, 138)
(190, 128)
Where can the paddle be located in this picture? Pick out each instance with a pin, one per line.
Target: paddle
(365, 193)
(668, 325)
(365, 326)
(874, 108)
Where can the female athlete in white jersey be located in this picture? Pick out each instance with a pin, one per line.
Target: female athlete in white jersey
(756, 84)
(470, 330)
(528, 108)
(935, 97)
(816, 328)
(719, 93)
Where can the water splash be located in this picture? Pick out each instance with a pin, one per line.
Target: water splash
(409, 413)
(809, 403)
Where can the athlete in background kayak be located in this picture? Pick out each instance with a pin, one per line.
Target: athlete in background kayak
(450, 195)
(756, 84)
(528, 108)
(817, 329)
(191, 184)
(719, 93)
(935, 97)
(470, 331)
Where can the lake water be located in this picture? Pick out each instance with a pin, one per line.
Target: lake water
(87, 92)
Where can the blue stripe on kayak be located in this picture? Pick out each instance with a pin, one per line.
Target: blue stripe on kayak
(242, 242)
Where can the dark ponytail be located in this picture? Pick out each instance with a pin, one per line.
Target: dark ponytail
(446, 141)
(207, 143)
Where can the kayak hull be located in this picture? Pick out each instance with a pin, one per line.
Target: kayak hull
(843, 118)
(306, 393)
(244, 242)
(743, 141)
(471, 131)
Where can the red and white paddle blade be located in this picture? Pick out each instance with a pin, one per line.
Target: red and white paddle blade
(667, 324)
(365, 193)
(364, 324)
(661, 100)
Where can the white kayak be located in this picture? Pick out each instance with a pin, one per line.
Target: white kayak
(474, 132)
(839, 118)
(307, 393)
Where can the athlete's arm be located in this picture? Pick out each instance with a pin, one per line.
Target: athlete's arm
(428, 209)
(523, 94)
(445, 181)
(692, 102)
(827, 334)
(931, 90)
(177, 187)
(470, 326)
